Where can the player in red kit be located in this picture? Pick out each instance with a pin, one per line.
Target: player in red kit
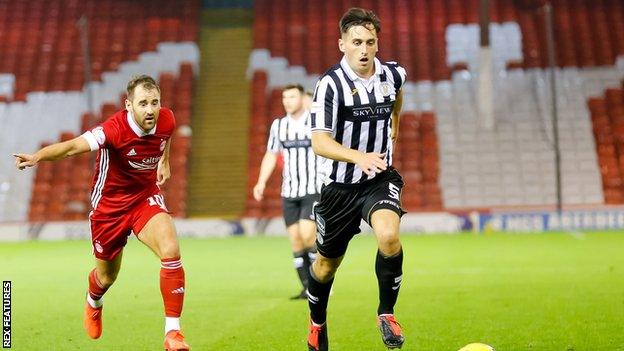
(133, 161)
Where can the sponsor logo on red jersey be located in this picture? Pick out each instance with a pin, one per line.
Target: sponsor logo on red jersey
(127, 162)
(146, 163)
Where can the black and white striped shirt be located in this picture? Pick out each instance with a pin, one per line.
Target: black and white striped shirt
(292, 137)
(357, 112)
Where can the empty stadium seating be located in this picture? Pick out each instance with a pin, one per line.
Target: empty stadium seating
(513, 164)
(45, 35)
(607, 115)
(42, 67)
(62, 189)
(413, 32)
(437, 41)
(264, 109)
(416, 158)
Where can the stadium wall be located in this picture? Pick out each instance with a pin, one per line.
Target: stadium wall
(439, 222)
(516, 221)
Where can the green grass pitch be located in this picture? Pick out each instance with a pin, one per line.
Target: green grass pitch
(514, 292)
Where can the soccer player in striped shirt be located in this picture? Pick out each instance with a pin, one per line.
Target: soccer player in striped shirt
(290, 136)
(132, 164)
(355, 120)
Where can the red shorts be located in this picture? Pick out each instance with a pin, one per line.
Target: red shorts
(109, 234)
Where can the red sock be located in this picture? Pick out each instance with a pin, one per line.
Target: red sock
(172, 285)
(96, 290)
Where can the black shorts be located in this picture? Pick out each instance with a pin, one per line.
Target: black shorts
(342, 207)
(297, 208)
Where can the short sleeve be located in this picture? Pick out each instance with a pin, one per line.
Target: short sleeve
(324, 108)
(170, 119)
(102, 136)
(274, 144)
(399, 75)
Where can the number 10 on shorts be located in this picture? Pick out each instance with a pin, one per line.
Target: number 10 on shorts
(157, 200)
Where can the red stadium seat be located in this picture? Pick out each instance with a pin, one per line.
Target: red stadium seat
(607, 116)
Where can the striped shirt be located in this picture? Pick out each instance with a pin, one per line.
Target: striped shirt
(357, 112)
(291, 137)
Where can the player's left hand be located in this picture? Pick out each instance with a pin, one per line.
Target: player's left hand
(163, 173)
(24, 160)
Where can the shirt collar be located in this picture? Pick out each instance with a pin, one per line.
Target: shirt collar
(351, 73)
(301, 119)
(138, 130)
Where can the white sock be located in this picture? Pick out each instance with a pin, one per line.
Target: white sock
(172, 323)
(95, 303)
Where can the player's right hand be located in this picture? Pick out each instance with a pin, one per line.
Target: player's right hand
(24, 160)
(372, 162)
(258, 192)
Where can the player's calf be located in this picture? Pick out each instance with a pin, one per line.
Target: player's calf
(302, 267)
(172, 285)
(389, 276)
(389, 271)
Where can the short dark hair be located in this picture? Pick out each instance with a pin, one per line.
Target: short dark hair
(309, 93)
(146, 81)
(294, 86)
(356, 16)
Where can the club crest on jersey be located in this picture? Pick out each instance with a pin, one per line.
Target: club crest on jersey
(162, 145)
(98, 247)
(386, 88)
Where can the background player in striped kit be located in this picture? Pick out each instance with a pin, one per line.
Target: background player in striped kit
(355, 119)
(132, 164)
(290, 135)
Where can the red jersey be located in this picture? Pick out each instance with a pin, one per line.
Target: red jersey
(125, 170)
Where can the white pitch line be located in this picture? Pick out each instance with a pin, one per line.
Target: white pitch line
(577, 235)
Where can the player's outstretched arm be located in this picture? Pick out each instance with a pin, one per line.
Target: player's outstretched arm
(163, 173)
(53, 152)
(266, 169)
(324, 145)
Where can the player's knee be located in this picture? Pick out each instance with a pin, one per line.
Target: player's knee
(308, 237)
(297, 245)
(325, 269)
(388, 240)
(169, 249)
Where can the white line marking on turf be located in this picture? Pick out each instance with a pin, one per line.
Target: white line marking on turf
(577, 235)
